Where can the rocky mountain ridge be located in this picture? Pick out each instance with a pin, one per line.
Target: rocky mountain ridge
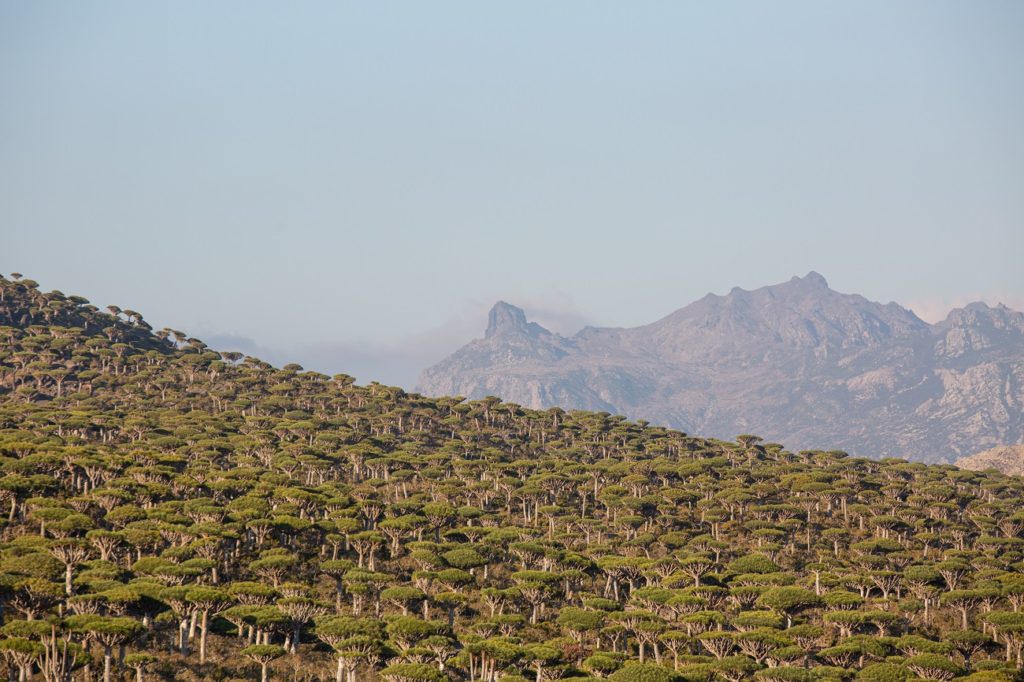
(1008, 459)
(796, 362)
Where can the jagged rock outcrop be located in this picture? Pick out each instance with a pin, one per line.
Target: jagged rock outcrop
(1008, 460)
(797, 363)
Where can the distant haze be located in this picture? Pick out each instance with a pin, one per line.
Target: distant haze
(351, 186)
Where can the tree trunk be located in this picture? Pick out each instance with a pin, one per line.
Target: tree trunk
(182, 637)
(202, 637)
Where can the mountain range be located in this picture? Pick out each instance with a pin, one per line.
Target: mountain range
(796, 363)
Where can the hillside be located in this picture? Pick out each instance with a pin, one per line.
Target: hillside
(1008, 459)
(175, 513)
(796, 362)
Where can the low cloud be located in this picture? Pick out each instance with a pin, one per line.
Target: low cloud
(234, 342)
(393, 364)
(555, 313)
(400, 363)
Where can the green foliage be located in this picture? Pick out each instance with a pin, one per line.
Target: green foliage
(753, 563)
(412, 672)
(463, 558)
(602, 663)
(643, 672)
(263, 653)
(988, 676)
(932, 666)
(784, 674)
(788, 600)
(883, 672)
(19, 647)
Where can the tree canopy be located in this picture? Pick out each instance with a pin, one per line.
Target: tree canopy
(171, 512)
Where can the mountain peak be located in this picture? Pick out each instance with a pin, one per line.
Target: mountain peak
(505, 317)
(815, 278)
(812, 278)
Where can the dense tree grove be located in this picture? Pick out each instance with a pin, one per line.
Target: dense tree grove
(174, 513)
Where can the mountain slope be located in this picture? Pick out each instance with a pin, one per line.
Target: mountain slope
(1008, 460)
(796, 362)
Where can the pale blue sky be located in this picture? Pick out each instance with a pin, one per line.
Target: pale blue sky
(351, 185)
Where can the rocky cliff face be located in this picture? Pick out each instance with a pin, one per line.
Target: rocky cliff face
(796, 363)
(1009, 460)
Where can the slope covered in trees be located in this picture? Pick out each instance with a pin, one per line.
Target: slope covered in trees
(176, 513)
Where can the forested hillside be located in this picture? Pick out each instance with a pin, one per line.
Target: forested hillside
(174, 513)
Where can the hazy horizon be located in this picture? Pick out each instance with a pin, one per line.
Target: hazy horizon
(352, 186)
(400, 362)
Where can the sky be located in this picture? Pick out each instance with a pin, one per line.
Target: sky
(351, 186)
